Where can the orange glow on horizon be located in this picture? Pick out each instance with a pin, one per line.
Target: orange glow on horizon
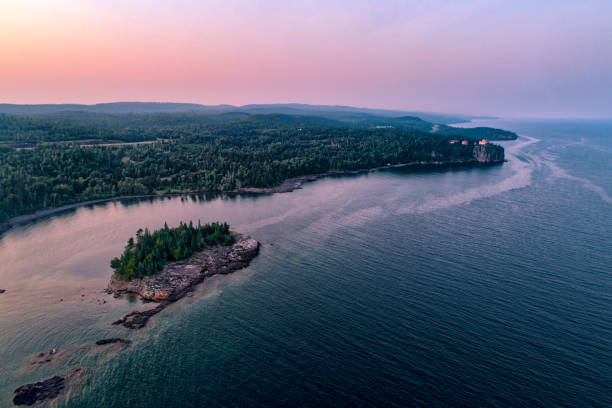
(442, 57)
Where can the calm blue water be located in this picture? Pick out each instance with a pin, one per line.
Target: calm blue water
(469, 288)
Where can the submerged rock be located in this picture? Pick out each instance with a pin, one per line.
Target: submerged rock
(138, 320)
(45, 390)
(30, 394)
(178, 278)
(115, 340)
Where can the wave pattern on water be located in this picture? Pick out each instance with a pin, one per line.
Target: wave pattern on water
(472, 287)
(559, 172)
(522, 167)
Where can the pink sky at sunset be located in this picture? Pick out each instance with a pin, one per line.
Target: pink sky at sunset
(480, 57)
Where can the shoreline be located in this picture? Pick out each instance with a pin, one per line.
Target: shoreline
(287, 186)
(177, 279)
(296, 183)
(173, 283)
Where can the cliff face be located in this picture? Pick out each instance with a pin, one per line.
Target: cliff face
(488, 153)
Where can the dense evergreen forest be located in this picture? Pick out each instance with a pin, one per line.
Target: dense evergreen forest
(477, 133)
(148, 254)
(189, 153)
(87, 126)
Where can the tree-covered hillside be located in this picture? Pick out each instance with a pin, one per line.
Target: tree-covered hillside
(193, 153)
(134, 127)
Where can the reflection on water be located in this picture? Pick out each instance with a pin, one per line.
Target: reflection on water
(375, 289)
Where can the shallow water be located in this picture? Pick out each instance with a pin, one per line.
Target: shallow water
(471, 287)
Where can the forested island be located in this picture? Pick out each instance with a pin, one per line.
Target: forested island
(150, 252)
(164, 265)
(50, 160)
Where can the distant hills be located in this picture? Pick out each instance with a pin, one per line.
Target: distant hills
(140, 120)
(336, 112)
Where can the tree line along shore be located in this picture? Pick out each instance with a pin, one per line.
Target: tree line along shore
(196, 153)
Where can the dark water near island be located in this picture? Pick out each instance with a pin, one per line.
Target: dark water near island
(472, 287)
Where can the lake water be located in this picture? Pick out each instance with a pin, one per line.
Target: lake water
(472, 287)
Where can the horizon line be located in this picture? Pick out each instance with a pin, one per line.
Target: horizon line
(475, 116)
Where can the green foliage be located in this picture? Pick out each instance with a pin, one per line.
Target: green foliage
(478, 133)
(148, 254)
(198, 153)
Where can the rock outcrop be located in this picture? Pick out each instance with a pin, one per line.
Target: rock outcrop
(30, 394)
(178, 278)
(45, 390)
(114, 340)
(488, 153)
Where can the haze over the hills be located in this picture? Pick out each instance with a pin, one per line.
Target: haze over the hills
(519, 58)
(335, 111)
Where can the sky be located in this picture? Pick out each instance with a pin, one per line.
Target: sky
(507, 58)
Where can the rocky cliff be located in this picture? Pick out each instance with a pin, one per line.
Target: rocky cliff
(488, 153)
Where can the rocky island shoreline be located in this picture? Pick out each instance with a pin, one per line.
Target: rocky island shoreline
(178, 278)
(172, 283)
